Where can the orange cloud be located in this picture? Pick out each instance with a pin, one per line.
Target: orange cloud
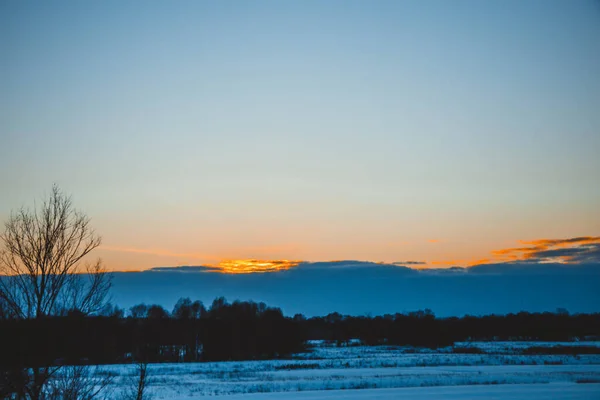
(511, 251)
(548, 250)
(562, 242)
(454, 263)
(254, 266)
(479, 262)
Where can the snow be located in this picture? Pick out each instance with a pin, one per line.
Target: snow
(510, 347)
(380, 370)
(561, 391)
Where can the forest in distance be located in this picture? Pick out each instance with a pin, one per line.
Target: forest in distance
(245, 330)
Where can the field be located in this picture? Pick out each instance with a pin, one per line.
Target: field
(513, 392)
(496, 370)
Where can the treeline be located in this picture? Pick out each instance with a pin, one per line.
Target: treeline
(422, 328)
(236, 331)
(249, 330)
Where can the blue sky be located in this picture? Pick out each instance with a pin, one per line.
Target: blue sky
(198, 131)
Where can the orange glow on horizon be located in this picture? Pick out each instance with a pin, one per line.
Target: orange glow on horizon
(447, 262)
(255, 266)
(540, 250)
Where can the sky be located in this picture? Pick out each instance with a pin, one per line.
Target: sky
(192, 132)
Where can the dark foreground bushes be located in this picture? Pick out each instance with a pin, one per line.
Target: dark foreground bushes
(240, 331)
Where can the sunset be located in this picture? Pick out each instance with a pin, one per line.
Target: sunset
(197, 134)
(312, 158)
(254, 266)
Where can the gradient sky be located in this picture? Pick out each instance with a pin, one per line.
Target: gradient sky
(192, 132)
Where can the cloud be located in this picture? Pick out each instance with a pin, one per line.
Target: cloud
(586, 254)
(444, 271)
(341, 264)
(326, 272)
(357, 264)
(235, 267)
(255, 266)
(265, 266)
(402, 263)
(536, 268)
(582, 249)
(514, 250)
(562, 242)
(569, 251)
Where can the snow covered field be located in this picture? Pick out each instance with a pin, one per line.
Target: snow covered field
(381, 372)
(554, 391)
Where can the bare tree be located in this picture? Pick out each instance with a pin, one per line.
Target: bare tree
(42, 251)
(142, 387)
(42, 270)
(79, 382)
(138, 387)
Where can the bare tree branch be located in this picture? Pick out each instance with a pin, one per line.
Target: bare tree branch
(80, 382)
(42, 251)
(42, 274)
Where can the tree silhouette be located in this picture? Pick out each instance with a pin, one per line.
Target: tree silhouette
(156, 311)
(139, 311)
(42, 257)
(186, 309)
